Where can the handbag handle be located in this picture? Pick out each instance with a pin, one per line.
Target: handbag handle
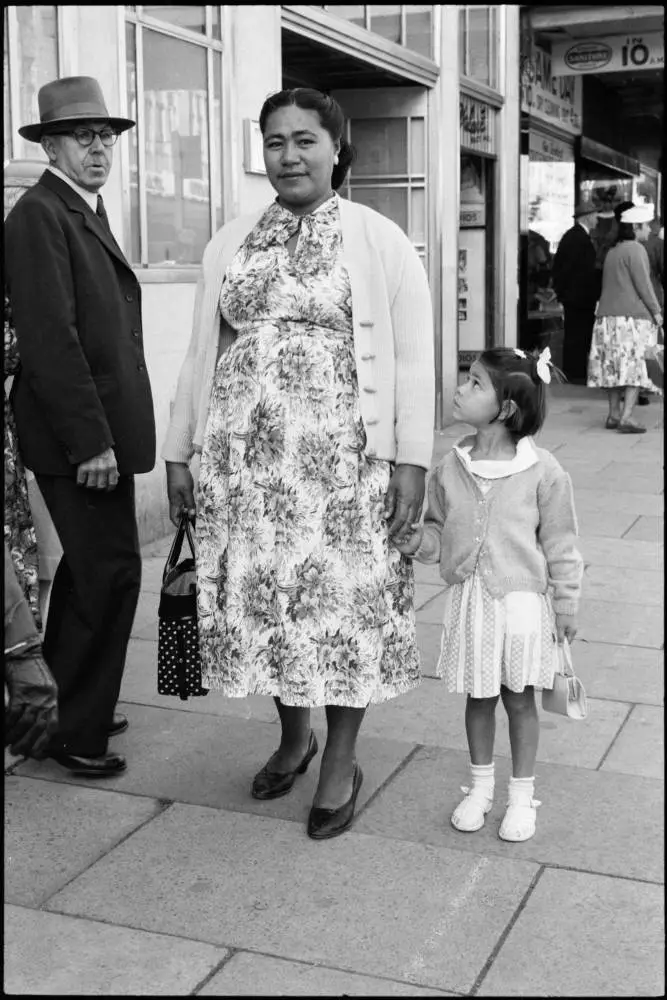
(183, 531)
(566, 660)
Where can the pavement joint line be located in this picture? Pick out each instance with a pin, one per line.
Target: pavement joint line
(636, 520)
(214, 971)
(481, 976)
(626, 645)
(160, 809)
(598, 874)
(616, 736)
(409, 757)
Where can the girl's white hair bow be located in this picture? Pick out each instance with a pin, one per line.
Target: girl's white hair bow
(543, 362)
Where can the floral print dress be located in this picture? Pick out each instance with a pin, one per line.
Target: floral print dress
(299, 594)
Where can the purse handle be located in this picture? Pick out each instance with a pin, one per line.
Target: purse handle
(566, 660)
(183, 531)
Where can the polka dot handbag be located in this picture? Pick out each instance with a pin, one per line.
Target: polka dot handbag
(178, 659)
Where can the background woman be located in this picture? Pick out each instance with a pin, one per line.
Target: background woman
(628, 317)
(316, 429)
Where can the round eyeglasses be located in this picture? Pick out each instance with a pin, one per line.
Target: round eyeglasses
(86, 136)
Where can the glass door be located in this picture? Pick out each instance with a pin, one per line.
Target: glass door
(388, 129)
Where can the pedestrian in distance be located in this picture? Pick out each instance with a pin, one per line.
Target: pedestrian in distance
(501, 523)
(628, 319)
(576, 282)
(655, 248)
(315, 428)
(83, 409)
(31, 699)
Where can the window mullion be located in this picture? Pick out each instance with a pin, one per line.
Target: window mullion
(14, 75)
(404, 26)
(210, 93)
(141, 149)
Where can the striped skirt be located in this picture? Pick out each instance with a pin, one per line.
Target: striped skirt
(489, 641)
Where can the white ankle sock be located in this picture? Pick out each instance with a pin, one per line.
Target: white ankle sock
(521, 791)
(483, 777)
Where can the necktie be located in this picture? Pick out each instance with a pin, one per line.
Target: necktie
(101, 213)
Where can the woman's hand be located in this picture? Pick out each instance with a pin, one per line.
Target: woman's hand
(566, 628)
(414, 541)
(180, 490)
(404, 500)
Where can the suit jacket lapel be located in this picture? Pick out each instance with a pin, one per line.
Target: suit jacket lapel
(90, 219)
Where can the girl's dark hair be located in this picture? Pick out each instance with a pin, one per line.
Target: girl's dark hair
(515, 378)
(331, 118)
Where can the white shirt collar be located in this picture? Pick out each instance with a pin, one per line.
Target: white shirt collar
(90, 197)
(525, 457)
(580, 223)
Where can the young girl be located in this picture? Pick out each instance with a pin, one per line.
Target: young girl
(501, 523)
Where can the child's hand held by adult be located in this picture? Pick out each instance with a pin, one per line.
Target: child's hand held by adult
(410, 540)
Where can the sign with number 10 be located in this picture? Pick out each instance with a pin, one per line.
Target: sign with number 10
(611, 54)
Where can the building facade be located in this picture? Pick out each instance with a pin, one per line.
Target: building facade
(431, 94)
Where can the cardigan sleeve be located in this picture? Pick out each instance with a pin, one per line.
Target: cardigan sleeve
(640, 273)
(557, 535)
(434, 520)
(412, 323)
(178, 444)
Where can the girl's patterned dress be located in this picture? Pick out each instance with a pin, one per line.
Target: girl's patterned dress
(19, 529)
(299, 594)
(488, 641)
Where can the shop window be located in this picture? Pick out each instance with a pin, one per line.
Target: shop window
(478, 44)
(30, 59)
(174, 88)
(410, 25)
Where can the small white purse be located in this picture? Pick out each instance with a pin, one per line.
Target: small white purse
(567, 697)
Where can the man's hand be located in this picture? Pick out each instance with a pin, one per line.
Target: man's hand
(403, 502)
(180, 490)
(566, 628)
(99, 473)
(31, 715)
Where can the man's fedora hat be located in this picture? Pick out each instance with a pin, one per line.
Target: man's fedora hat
(585, 208)
(71, 101)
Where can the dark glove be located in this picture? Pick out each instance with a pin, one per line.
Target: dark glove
(31, 716)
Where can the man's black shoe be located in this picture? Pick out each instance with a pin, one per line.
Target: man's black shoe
(106, 765)
(119, 725)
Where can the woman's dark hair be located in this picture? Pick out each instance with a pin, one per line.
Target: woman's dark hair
(331, 118)
(514, 377)
(625, 229)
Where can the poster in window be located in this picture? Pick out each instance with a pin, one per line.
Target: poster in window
(472, 290)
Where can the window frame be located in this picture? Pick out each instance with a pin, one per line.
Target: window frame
(494, 20)
(213, 46)
(368, 22)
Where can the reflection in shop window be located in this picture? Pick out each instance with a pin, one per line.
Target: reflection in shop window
(37, 63)
(191, 17)
(386, 21)
(173, 207)
(410, 25)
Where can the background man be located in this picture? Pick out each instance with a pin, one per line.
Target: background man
(577, 281)
(83, 408)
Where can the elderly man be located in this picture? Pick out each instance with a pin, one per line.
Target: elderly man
(576, 281)
(83, 408)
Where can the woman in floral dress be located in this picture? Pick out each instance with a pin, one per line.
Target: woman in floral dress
(627, 323)
(300, 593)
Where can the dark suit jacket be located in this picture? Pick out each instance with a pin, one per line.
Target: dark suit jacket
(83, 385)
(576, 279)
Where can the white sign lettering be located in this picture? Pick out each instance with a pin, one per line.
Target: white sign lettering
(551, 98)
(611, 54)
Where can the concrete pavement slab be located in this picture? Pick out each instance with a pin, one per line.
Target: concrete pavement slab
(614, 523)
(428, 642)
(626, 673)
(152, 569)
(632, 503)
(363, 904)
(645, 586)
(583, 935)
(208, 760)
(54, 831)
(647, 529)
(587, 820)
(260, 975)
(425, 592)
(52, 955)
(620, 477)
(427, 573)
(622, 554)
(620, 623)
(640, 747)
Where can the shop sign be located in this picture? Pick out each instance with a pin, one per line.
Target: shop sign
(547, 97)
(477, 125)
(610, 54)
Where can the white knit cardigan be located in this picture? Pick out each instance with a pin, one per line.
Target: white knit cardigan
(393, 339)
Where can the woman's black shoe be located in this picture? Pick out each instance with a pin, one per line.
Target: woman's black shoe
(269, 785)
(325, 823)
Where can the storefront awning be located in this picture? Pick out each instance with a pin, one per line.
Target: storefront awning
(619, 162)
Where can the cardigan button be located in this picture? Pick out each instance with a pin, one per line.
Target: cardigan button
(371, 423)
(367, 357)
(365, 322)
(367, 388)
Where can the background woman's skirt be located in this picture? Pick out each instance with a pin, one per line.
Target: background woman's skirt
(617, 352)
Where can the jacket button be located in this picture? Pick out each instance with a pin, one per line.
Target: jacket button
(365, 322)
(135, 333)
(371, 423)
(368, 389)
(141, 368)
(128, 298)
(367, 357)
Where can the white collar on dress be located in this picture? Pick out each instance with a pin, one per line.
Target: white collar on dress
(526, 456)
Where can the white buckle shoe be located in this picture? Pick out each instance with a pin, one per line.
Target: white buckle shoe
(469, 814)
(519, 821)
